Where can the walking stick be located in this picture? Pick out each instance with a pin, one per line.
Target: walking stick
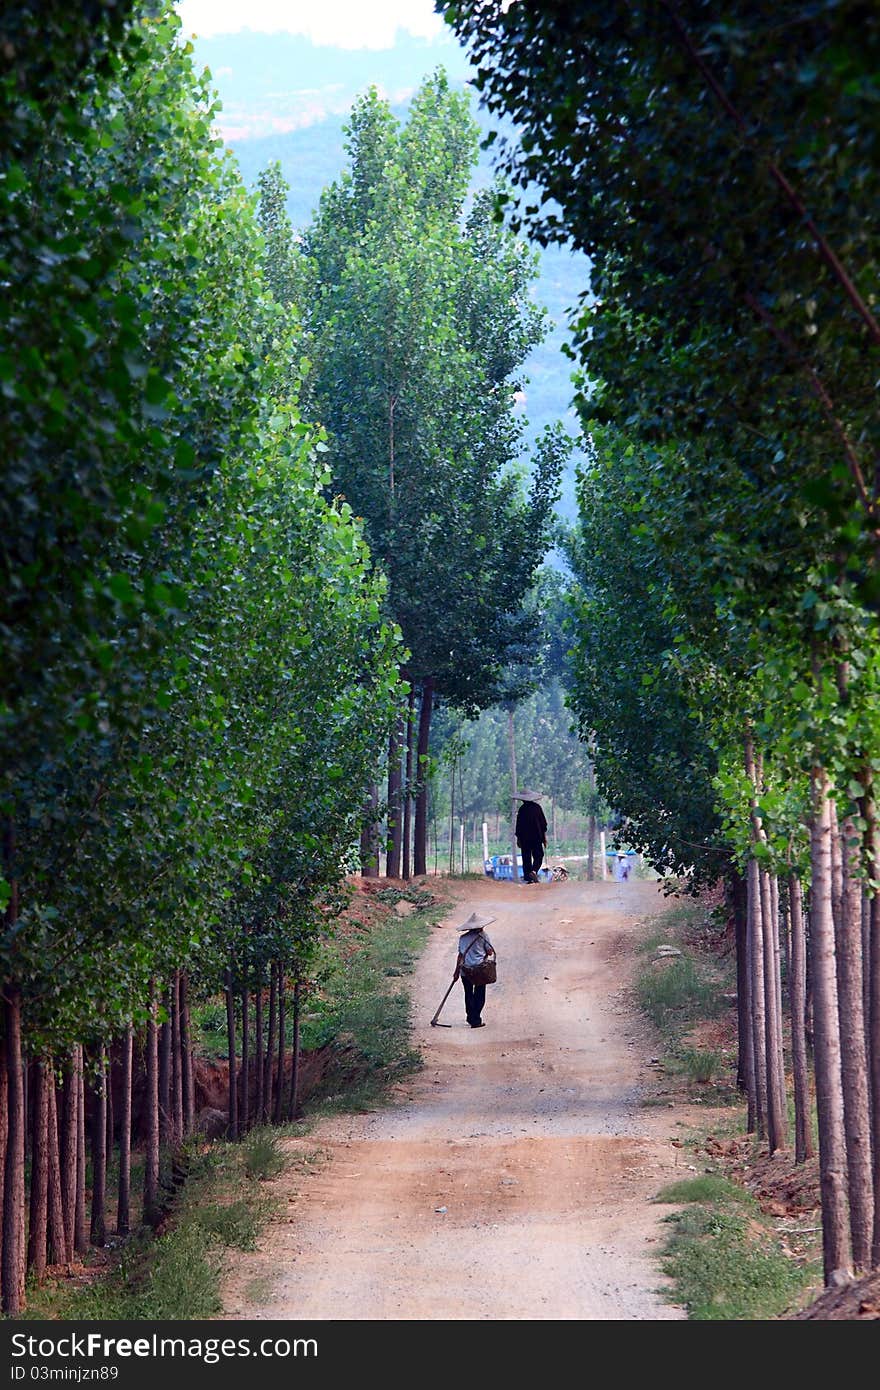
(434, 1023)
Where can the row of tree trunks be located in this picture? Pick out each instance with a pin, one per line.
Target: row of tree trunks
(260, 1073)
(45, 1222)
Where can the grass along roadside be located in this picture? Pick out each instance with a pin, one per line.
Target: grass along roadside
(359, 1018)
(730, 1254)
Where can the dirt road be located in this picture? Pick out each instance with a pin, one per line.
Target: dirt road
(516, 1174)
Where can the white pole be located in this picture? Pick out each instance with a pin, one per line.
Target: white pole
(602, 851)
(485, 841)
(461, 845)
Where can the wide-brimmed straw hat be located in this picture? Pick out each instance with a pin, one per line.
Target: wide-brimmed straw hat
(527, 796)
(476, 922)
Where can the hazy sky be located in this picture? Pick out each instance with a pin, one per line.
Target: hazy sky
(343, 23)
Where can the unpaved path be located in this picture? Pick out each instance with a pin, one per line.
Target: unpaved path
(527, 1134)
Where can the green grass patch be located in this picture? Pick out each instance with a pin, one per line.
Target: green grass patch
(711, 1187)
(723, 1260)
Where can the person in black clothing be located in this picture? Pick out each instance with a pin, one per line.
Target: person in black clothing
(531, 834)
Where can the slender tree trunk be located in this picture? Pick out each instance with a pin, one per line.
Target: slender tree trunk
(370, 836)
(395, 818)
(803, 1138)
(165, 1074)
(407, 790)
(279, 1077)
(826, 1038)
(123, 1205)
(12, 1264)
(872, 963)
(270, 1047)
(4, 1119)
(452, 822)
(189, 1086)
(293, 1099)
(420, 849)
(176, 1064)
(244, 1103)
(151, 1106)
(68, 1146)
(511, 754)
(850, 996)
(59, 1249)
(230, 1052)
(756, 992)
(80, 1237)
(109, 1125)
(258, 1052)
(777, 1119)
(98, 1228)
(39, 1206)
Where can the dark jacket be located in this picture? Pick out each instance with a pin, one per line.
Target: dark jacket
(531, 824)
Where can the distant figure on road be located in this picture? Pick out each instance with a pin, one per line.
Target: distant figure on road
(621, 867)
(531, 834)
(475, 966)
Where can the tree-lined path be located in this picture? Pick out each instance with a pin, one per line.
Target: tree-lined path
(528, 1132)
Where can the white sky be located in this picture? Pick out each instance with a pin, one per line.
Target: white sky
(341, 23)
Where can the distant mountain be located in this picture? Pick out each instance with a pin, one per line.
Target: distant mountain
(286, 99)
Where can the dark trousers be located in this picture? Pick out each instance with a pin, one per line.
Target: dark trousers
(474, 999)
(532, 857)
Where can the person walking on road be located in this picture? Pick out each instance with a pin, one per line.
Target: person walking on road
(475, 966)
(531, 834)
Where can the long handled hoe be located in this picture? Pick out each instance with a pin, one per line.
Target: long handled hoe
(434, 1023)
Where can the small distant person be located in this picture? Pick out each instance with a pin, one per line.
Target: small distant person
(622, 867)
(476, 960)
(531, 834)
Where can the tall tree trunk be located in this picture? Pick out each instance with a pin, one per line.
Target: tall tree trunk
(165, 1073)
(279, 1077)
(370, 836)
(189, 1085)
(420, 850)
(270, 1046)
(452, 822)
(872, 963)
(98, 1228)
(394, 839)
(245, 1101)
(60, 1251)
(39, 1205)
(80, 1237)
(293, 1099)
(407, 790)
(12, 1263)
(854, 1062)
(68, 1147)
(232, 1128)
(777, 1118)
(151, 1105)
(803, 1138)
(123, 1205)
(176, 1064)
(4, 1118)
(756, 994)
(511, 754)
(258, 1052)
(826, 1037)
